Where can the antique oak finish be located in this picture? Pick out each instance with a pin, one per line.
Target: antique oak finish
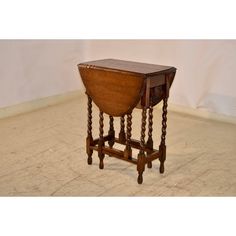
(117, 87)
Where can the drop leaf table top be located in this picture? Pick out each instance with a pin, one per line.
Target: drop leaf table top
(117, 86)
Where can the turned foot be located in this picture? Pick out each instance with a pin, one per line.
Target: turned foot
(89, 151)
(141, 166)
(162, 158)
(149, 165)
(140, 179)
(90, 160)
(101, 165)
(162, 168)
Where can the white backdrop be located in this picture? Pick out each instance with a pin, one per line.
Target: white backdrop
(205, 77)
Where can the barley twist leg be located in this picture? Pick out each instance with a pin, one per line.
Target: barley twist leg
(162, 147)
(89, 139)
(122, 130)
(149, 143)
(101, 140)
(141, 155)
(111, 132)
(128, 150)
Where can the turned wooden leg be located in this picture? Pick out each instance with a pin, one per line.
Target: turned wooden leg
(122, 129)
(128, 150)
(141, 155)
(162, 147)
(111, 132)
(149, 143)
(89, 139)
(101, 140)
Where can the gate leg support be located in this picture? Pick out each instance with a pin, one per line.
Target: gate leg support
(101, 140)
(128, 150)
(111, 132)
(89, 139)
(141, 155)
(122, 129)
(162, 147)
(149, 143)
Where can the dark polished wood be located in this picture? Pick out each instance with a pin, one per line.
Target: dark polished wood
(107, 83)
(128, 150)
(128, 67)
(136, 144)
(111, 132)
(122, 137)
(162, 147)
(117, 87)
(111, 88)
(141, 155)
(101, 141)
(89, 140)
(150, 140)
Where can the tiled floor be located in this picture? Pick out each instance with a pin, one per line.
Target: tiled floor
(43, 154)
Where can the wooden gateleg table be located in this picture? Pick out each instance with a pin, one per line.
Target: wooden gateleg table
(117, 87)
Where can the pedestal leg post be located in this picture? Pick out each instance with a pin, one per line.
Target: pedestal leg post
(128, 150)
(141, 155)
(101, 140)
(111, 132)
(149, 143)
(162, 147)
(122, 129)
(89, 139)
